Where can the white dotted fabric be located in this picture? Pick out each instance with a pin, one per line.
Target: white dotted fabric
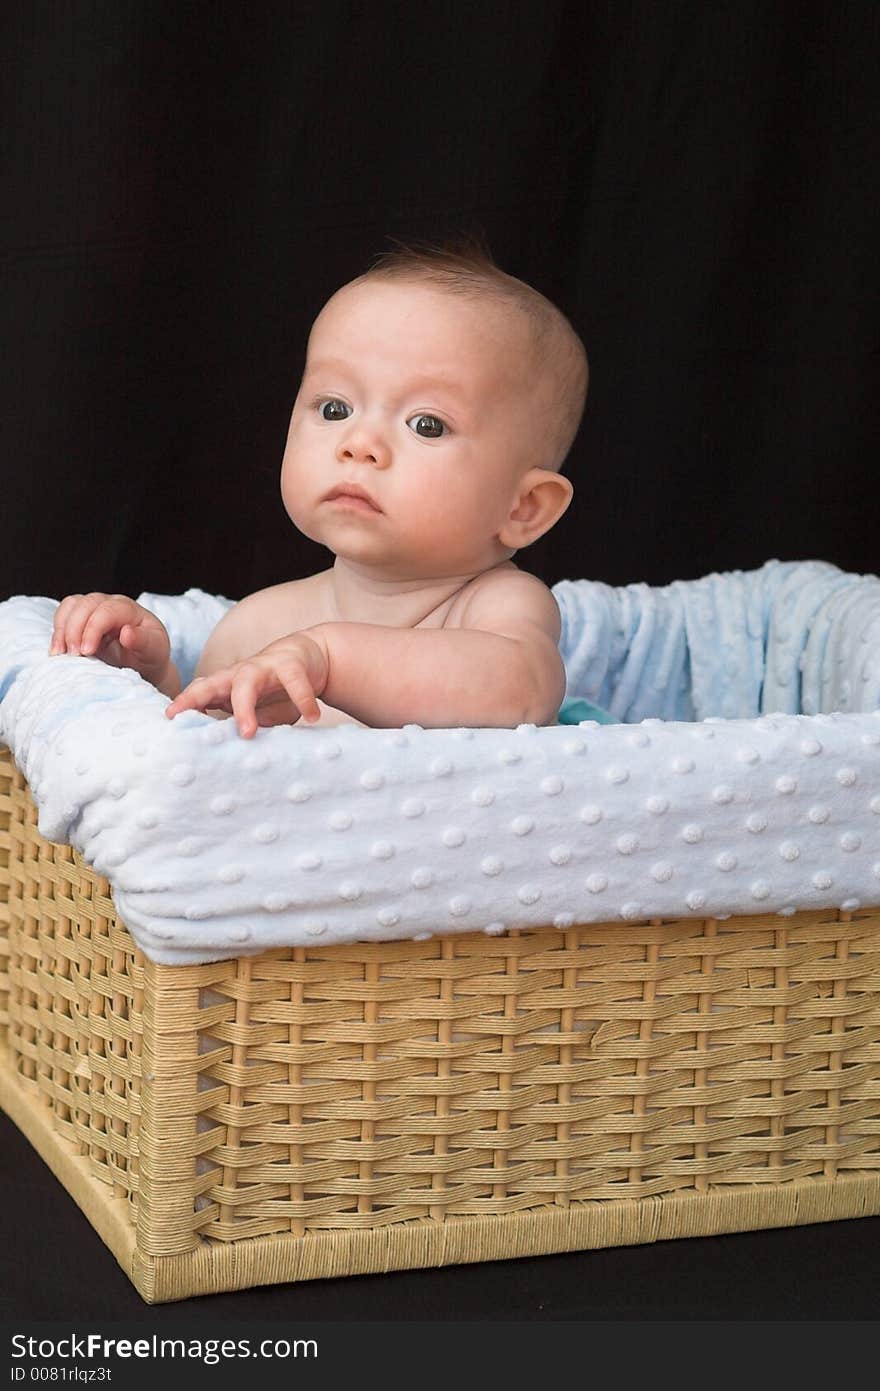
(217, 846)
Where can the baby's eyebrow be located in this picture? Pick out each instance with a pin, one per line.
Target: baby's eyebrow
(323, 364)
(436, 379)
(442, 380)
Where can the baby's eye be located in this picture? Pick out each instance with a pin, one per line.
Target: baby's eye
(334, 410)
(428, 426)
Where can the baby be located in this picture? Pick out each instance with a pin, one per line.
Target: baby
(439, 399)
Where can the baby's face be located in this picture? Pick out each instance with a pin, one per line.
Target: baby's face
(426, 401)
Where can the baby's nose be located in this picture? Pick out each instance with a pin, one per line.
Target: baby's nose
(365, 446)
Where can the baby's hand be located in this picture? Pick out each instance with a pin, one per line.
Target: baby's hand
(275, 686)
(115, 629)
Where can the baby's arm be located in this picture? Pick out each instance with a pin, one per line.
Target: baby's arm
(500, 668)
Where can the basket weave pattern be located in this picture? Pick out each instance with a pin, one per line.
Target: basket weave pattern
(390, 1085)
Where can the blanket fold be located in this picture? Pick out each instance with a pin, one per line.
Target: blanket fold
(733, 645)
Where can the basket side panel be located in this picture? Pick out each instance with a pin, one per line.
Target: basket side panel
(381, 1084)
(73, 1002)
(23, 948)
(6, 773)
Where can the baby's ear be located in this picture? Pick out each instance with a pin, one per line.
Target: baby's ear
(539, 502)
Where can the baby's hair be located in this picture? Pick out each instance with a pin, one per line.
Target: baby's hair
(463, 265)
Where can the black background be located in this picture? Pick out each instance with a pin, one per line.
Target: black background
(183, 187)
(693, 183)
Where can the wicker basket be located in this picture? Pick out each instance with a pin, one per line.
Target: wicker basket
(312, 1112)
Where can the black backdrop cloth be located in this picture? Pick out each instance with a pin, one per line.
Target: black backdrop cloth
(694, 183)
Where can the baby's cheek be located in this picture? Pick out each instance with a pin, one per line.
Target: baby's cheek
(292, 496)
(441, 513)
(431, 516)
(433, 533)
(462, 523)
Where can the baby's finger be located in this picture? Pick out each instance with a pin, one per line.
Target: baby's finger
(79, 615)
(252, 681)
(203, 693)
(59, 622)
(247, 685)
(143, 640)
(104, 621)
(295, 680)
(74, 610)
(194, 697)
(291, 676)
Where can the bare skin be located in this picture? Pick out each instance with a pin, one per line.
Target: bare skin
(426, 403)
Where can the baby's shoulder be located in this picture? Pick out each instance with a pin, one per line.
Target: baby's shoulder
(270, 613)
(306, 592)
(503, 596)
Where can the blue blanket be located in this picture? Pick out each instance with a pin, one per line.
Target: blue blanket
(797, 637)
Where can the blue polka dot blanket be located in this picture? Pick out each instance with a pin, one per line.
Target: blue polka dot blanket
(740, 773)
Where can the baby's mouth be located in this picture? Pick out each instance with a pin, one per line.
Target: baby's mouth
(352, 495)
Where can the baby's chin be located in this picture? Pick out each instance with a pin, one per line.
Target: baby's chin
(353, 537)
(350, 541)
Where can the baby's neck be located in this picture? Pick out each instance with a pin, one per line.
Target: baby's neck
(357, 595)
